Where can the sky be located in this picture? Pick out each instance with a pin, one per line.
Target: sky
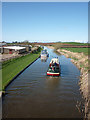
(45, 21)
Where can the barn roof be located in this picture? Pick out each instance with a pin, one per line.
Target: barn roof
(15, 47)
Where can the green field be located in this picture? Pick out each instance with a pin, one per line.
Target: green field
(12, 67)
(84, 50)
(75, 43)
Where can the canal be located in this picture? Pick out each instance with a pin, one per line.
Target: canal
(35, 95)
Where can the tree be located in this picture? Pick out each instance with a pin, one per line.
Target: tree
(3, 41)
(26, 41)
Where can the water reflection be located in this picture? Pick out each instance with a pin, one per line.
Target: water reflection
(44, 59)
(52, 82)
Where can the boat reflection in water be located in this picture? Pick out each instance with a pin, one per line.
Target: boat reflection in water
(44, 58)
(52, 82)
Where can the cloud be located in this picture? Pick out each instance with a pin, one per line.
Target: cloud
(81, 41)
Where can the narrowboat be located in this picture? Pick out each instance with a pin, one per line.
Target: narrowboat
(44, 54)
(54, 68)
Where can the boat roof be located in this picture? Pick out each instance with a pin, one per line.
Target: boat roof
(55, 60)
(43, 52)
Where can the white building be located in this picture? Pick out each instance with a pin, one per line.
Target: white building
(14, 49)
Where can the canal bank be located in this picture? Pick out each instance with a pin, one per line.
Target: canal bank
(81, 61)
(13, 68)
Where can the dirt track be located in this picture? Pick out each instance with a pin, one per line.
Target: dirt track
(4, 57)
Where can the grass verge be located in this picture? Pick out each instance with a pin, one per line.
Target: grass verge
(12, 67)
(79, 50)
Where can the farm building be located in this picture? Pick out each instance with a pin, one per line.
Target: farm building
(14, 49)
(1, 49)
(33, 49)
(28, 47)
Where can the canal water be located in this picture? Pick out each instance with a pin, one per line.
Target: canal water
(35, 95)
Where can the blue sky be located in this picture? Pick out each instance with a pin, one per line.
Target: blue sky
(45, 21)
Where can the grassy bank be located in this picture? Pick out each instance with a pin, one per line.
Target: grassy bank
(12, 67)
(78, 55)
(79, 50)
(73, 47)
